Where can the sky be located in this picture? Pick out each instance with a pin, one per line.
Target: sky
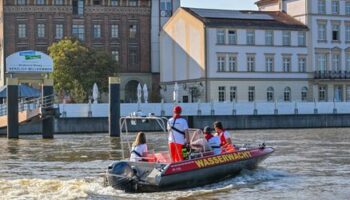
(221, 4)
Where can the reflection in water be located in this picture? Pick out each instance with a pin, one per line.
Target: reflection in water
(307, 164)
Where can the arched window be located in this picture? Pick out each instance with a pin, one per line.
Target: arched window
(270, 94)
(304, 91)
(287, 94)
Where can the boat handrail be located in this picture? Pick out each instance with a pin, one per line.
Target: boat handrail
(136, 116)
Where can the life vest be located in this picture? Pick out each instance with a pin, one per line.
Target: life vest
(222, 138)
(225, 147)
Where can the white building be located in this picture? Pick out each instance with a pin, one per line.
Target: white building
(328, 47)
(226, 55)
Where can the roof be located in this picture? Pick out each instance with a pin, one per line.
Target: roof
(265, 2)
(246, 19)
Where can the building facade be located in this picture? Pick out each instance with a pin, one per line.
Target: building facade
(328, 47)
(120, 27)
(225, 55)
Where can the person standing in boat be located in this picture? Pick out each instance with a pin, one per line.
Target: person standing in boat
(225, 137)
(139, 148)
(178, 135)
(214, 141)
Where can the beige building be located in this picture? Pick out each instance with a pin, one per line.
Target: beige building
(226, 55)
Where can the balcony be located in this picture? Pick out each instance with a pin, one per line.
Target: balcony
(332, 75)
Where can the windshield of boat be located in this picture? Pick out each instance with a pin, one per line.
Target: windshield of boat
(198, 141)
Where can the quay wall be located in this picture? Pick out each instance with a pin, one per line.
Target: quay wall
(100, 124)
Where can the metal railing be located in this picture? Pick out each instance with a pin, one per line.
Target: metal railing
(30, 104)
(331, 74)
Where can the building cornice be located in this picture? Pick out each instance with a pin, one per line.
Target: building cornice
(265, 2)
(68, 10)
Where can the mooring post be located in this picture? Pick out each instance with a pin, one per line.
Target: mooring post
(114, 107)
(47, 104)
(12, 108)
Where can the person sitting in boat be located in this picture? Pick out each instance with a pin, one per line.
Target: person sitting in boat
(139, 148)
(178, 135)
(225, 138)
(214, 141)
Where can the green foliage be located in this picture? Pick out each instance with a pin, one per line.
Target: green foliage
(77, 68)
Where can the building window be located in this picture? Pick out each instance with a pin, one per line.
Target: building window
(338, 93)
(41, 30)
(251, 93)
(301, 38)
(250, 37)
(233, 93)
(97, 31)
(133, 57)
(270, 94)
(58, 2)
(322, 6)
(269, 37)
(115, 55)
(78, 7)
(166, 5)
(321, 61)
(335, 32)
(322, 93)
(347, 33)
(222, 93)
(232, 37)
(348, 93)
(114, 2)
(286, 38)
(304, 91)
(269, 63)
(336, 62)
(232, 63)
(22, 31)
(220, 36)
(132, 2)
(302, 64)
(347, 7)
(335, 7)
(114, 31)
(322, 32)
(96, 2)
(132, 31)
(78, 31)
(59, 31)
(250, 63)
(221, 63)
(21, 2)
(40, 2)
(287, 94)
(286, 64)
(347, 62)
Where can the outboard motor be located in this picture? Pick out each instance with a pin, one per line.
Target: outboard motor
(121, 175)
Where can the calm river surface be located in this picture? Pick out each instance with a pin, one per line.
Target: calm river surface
(307, 164)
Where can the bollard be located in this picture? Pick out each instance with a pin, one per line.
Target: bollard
(114, 107)
(12, 108)
(47, 102)
(90, 110)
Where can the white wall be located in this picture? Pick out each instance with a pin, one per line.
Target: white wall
(101, 110)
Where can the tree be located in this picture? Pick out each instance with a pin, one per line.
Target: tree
(77, 68)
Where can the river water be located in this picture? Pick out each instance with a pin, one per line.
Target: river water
(307, 164)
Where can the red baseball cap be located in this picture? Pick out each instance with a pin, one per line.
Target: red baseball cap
(177, 109)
